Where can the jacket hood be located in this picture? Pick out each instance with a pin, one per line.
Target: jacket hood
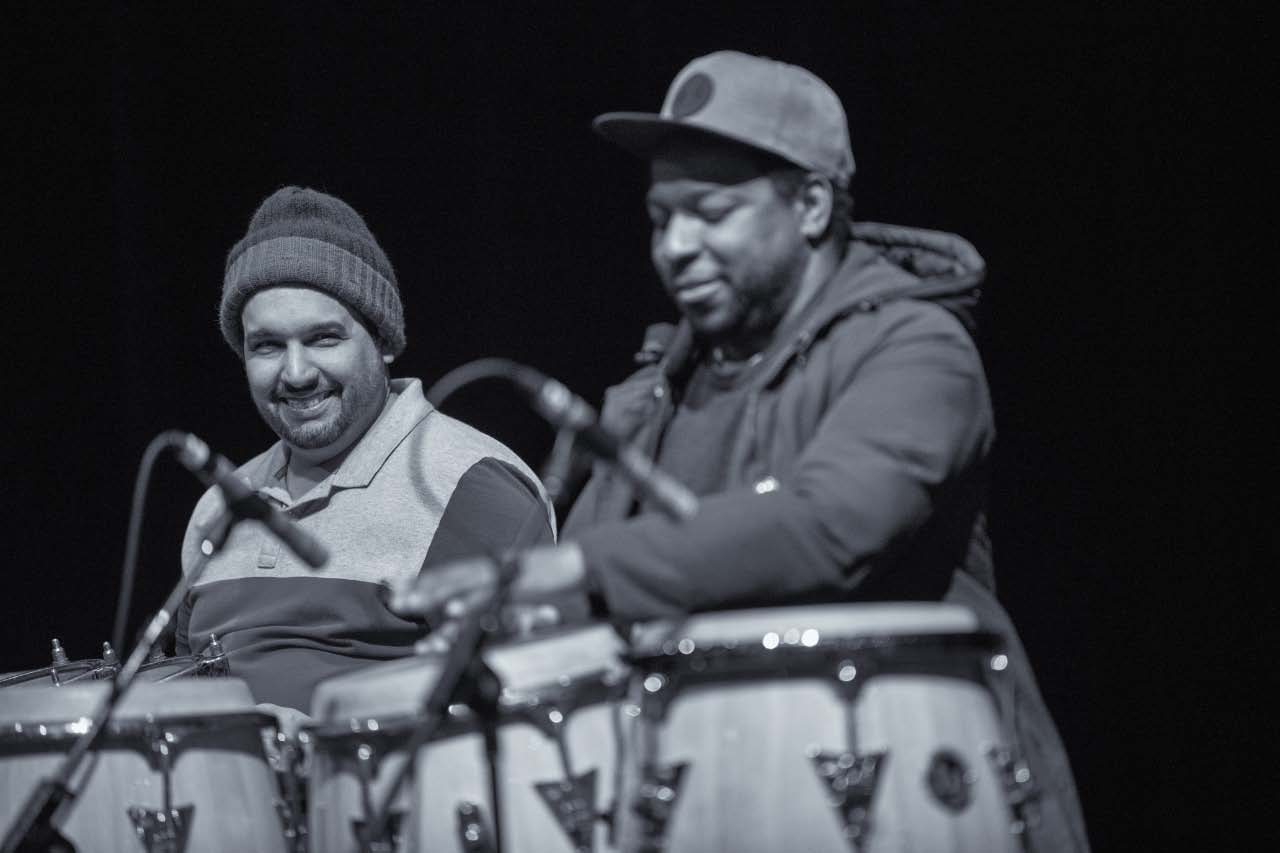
(931, 265)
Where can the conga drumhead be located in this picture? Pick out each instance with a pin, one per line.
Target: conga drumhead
(220, 782)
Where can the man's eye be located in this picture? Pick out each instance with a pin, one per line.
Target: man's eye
(714, 212)
(326, 340)
(264, 347)
(658, 218)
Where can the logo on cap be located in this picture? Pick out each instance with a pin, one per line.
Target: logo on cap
(693, 95)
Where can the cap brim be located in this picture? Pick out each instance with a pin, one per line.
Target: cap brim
(639, 133)
(643, 134)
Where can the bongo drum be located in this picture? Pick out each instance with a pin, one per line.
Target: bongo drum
(557, 741)
(827, 728)
(180, 766)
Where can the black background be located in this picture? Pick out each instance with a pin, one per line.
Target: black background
(1099, 160)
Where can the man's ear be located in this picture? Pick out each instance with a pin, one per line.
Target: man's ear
(816, 200)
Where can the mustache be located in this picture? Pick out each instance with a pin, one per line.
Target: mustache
(294, 393)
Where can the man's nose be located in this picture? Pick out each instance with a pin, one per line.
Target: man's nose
(298, 371)
(681, 238)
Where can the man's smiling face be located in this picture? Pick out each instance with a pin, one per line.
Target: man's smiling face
(727, 246)
(316, 374)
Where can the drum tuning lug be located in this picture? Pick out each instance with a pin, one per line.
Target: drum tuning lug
(473, 835)
(109, 655)
(58, 653)
(213, 660)
(572, 802)
(388, 842)
(1020, 789)
(656, 801)
(850, 781)
(162, 832)
(294, 828)
(157, 653)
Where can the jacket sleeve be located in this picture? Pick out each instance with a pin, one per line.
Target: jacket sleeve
(909, 417)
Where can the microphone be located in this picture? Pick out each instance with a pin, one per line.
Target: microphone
(215, 470)
(567, 411)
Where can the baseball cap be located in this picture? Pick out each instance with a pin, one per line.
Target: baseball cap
(753, 100)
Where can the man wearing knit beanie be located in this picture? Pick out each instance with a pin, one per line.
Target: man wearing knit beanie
(390, 486)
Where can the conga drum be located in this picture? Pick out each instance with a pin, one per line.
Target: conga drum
(557, 736)
(827, 728)
(180, 767)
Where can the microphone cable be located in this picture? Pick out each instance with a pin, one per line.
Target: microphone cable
(168, 440)
(473, 371)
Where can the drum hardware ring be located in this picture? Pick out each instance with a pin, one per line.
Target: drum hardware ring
(852, 660)
(533, 707)
(125, 732)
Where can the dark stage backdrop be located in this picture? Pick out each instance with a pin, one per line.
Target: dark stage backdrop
(1093, 157)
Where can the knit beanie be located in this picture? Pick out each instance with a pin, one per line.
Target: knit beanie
(299, 235)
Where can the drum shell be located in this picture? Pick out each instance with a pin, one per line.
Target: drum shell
(217, 763)
(748, 736)
(451, 769)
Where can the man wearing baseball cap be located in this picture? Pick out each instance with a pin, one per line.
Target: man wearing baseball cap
(388, 484)
(822, 395)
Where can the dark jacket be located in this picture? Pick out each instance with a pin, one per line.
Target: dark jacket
(872, 416)
(858, 473)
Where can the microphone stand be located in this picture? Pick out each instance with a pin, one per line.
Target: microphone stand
(34, 829)
(467, 678)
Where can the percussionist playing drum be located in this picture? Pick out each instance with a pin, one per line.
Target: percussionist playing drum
(311, 305)
(822, 395)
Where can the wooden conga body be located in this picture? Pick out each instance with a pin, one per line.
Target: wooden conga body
(557, 744)
(831, 728)
(182, 757)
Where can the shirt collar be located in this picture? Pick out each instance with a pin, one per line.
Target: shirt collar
(406, 412)
(364, 461)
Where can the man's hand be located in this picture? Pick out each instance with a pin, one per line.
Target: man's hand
(289, 719)
(458, 588)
